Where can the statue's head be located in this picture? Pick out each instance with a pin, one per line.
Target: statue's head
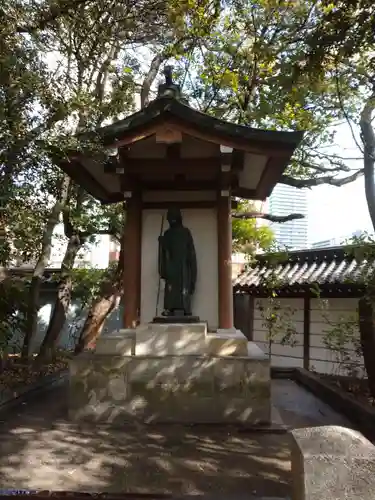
(174, 217)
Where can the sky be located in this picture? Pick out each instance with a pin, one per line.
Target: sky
(336, 212)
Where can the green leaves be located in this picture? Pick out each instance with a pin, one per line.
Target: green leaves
(247, 235)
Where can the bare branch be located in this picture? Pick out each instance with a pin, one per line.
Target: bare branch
(322, 169)
(341, 102)
(319, 181)
(270, 217)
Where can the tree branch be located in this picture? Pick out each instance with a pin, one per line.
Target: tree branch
(344, 112)
(55, 11)
(319, 181)
(270, 217)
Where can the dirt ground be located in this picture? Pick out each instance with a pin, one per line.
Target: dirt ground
(40, 449)
(356, 387)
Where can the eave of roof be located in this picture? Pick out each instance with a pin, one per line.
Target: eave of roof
(165, 107)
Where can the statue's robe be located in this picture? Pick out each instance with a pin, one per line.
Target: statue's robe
(178, 267)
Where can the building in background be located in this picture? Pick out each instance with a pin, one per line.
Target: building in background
(95, 254)
(338, 241)
(286, 200)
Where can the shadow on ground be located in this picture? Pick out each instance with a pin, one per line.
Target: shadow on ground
(41, 449)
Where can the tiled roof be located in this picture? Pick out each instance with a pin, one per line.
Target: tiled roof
(325, 267)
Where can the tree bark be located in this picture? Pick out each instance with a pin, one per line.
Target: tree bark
(366, 304)
(63, 299)
(110, 291)
(36, 281)
(368, 138)
(367, 335)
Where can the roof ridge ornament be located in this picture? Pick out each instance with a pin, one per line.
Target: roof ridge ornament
(170, 89)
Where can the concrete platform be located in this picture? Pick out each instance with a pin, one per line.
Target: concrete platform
(180, 389)
(176, 373)
(173, 339)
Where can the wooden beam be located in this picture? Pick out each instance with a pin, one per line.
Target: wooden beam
(132, 260)
(224, 250)
(248, 194)
(306, 331)
(185, 204)
(181, 204)
(238, 160)
(180, 185)
(174, 152)
(165, 165)
(119, 197)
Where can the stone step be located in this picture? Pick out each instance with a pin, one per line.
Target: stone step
(227, 344)
(177, 340)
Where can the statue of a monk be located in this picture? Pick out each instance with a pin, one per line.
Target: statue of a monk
(177, 266)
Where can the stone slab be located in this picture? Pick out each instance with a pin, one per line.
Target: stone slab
(176, 319)
(120, 342)
(173, 328)
(333, 463)
(170, 339)
(224, 343)
(255, 352)
(181, 389)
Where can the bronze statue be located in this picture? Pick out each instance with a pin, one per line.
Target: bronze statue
(177, 266)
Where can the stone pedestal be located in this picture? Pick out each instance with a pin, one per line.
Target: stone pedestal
(333, 463)
(176, 319)
(172, 373)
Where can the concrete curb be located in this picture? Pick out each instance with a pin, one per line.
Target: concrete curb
(11, 399)
(361, 415)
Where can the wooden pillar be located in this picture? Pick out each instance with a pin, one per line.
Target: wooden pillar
(132, 260)
(306, 332)
(224, 246)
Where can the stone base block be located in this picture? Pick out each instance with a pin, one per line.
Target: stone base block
(176, 319)
(225, 343)
(180, 389)
(120, 342)
(333, 463)
(170, 339)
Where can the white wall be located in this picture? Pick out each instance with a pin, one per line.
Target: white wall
(338, 311)
(322, 359)
(203, 226)
(281, 355)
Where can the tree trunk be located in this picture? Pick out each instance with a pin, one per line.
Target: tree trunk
(102, 306)
(367, 335)
(368, 138)
(366, 304)
(36, 281)
(63, 299)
